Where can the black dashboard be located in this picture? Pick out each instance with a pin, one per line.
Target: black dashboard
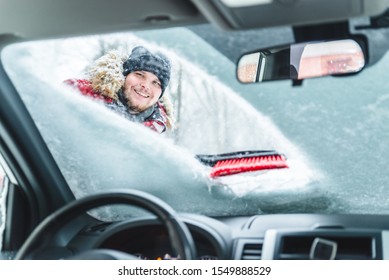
(284, 236)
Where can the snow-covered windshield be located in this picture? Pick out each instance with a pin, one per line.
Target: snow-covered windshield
(330, 130)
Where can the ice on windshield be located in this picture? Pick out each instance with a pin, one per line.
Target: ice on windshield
(98, 150)
(3, 195)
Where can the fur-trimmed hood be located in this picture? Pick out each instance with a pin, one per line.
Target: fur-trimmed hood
(106, 77)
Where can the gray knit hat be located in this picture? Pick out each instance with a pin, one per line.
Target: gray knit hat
(141, 59)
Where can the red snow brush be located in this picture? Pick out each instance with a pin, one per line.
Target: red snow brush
(244, 161)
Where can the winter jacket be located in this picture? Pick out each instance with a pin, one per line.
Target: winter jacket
(105, 80)
(155, 117)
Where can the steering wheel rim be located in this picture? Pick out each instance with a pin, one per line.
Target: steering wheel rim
(180, 237)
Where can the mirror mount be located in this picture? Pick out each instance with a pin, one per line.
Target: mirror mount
(380, 21)
(297, 83)
(321, 32)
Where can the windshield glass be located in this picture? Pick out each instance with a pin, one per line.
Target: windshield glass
(331, 130)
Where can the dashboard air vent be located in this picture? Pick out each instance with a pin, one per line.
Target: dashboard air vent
(252, 251)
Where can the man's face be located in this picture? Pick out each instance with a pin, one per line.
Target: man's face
(142, 90)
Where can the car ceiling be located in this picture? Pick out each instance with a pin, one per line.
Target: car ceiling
(54, 18)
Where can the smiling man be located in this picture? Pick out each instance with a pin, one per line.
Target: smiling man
(133, 86)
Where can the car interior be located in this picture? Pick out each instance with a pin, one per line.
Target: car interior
(42, 217)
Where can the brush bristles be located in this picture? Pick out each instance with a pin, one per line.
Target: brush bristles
(234, 166)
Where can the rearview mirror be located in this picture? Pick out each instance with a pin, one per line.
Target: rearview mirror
(301, 61)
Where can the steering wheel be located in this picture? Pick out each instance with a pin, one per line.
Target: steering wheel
(179, 235)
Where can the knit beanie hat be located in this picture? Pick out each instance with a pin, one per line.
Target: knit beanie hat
(141, 59)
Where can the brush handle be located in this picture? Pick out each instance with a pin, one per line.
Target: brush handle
(211, 160)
